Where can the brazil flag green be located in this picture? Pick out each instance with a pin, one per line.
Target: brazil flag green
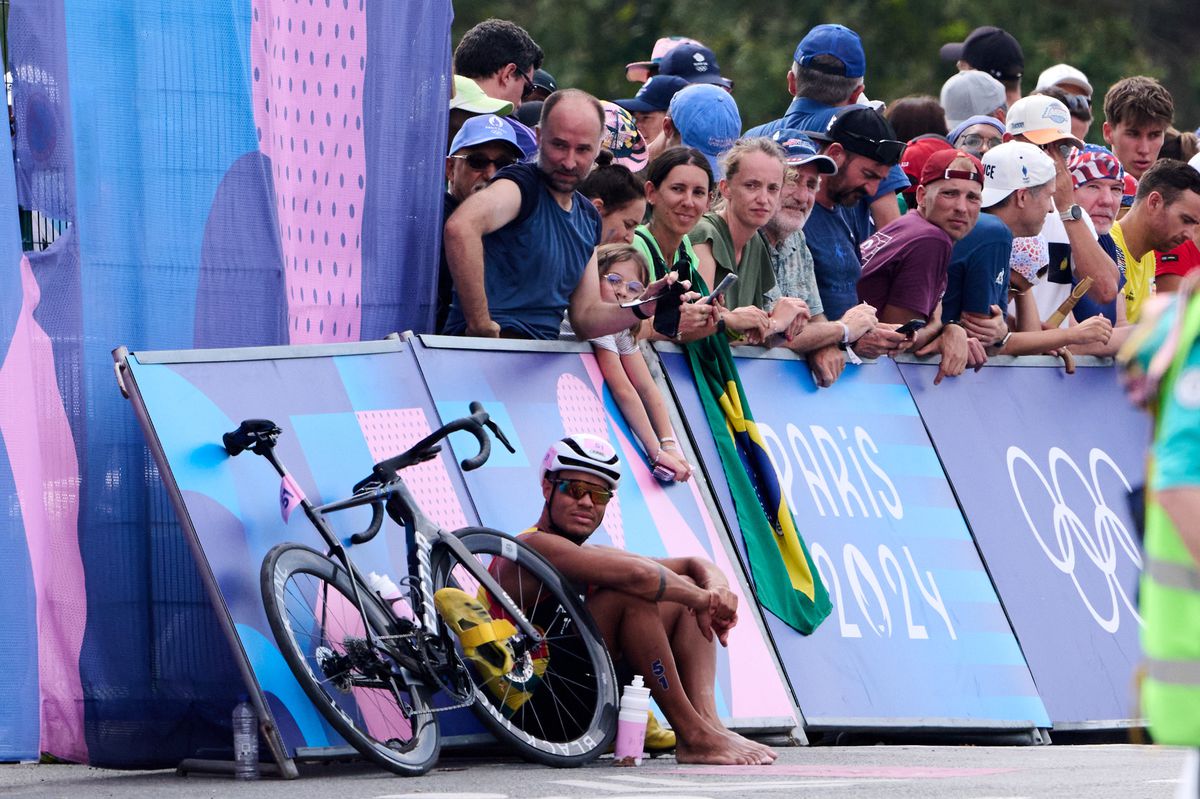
(785, 579)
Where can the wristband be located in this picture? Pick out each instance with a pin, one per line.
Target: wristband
(845, 332)
(638, 312)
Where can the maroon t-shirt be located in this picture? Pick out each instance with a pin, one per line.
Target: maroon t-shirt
(904, 264)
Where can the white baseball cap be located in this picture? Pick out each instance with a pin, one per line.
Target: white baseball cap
(1041, 119)
(1194, 163)
(1063, 73)
(1011, 166)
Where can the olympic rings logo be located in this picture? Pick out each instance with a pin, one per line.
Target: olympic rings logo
(1100, 543)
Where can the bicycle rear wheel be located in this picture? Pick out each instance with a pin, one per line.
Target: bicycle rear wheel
(557, 705)
(377, 706)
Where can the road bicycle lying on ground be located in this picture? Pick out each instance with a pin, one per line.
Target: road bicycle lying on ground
(526, 656)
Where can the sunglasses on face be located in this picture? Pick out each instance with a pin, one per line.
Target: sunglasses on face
(578, 489)
(480, 162)
(634, 287)
(529, 87)
(885, 151)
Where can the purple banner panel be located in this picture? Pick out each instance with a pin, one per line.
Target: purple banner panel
(538, 397)
(1042, 462)
(917, 637)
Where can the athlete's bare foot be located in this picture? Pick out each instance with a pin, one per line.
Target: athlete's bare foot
(762, 749)
(717, 749)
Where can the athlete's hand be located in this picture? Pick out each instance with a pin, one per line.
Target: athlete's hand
(722, 613)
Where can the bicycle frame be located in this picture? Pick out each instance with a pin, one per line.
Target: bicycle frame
(423, 534)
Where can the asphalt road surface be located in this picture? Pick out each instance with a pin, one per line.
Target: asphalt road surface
(962, 772)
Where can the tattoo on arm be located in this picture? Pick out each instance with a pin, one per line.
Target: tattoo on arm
(662, 582)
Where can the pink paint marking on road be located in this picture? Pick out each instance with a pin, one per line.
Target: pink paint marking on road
(876, 772)
(308, 62)
(757, 690)
(41, 454)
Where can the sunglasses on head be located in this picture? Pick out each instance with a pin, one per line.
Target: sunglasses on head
(885, 151)
(480, 162)
(578, 489)
(634, 287)
(1079, 104)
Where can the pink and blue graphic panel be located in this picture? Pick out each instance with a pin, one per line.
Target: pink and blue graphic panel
(339, 415)
(917, 636)
(537, 398)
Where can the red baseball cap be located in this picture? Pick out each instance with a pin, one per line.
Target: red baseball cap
(917, 152)
(937, 167)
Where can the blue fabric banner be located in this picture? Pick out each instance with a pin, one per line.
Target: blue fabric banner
(229, 173)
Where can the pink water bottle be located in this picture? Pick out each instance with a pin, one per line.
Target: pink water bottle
(631, 723)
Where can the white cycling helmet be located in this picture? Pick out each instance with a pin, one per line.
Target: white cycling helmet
(583, 452)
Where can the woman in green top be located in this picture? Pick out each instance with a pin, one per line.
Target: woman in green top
(678, 186)
(728, 240)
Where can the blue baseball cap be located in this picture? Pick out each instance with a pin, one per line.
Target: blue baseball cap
(837, 41)
(483, 129)
(655, 94)
(707, 118)
(799, 150)
(695, 63)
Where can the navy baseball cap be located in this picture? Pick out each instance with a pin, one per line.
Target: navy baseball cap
(989, 49)
(799, 150)
(655, 94)
(695, 63)
(833, 40)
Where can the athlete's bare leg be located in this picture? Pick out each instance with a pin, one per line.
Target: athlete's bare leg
(634, 631)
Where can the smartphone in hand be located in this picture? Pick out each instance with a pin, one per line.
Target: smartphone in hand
(721, 288)
(910, 328)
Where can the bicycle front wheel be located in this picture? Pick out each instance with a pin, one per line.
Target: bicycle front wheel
(376, 705)
(557, 703)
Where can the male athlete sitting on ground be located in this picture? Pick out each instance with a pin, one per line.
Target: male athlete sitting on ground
(660, 617)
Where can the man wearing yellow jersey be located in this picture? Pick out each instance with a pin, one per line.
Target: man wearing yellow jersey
(1165, 213)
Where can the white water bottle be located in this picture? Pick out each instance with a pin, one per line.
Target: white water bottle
(245, 741)
(631, 723)
(384, 586)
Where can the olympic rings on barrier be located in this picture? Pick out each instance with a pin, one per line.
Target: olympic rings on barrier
(1100, 542)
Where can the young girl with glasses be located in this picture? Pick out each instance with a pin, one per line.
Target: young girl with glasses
(623, 277)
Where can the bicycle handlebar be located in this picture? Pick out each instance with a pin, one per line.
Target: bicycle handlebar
(427, 448)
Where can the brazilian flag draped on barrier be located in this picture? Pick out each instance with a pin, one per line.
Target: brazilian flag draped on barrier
(785, 579)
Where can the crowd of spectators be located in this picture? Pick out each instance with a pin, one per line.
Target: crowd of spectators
(976, 223)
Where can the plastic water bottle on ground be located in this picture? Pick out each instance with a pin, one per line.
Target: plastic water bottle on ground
(245, 741)
(631, 723)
